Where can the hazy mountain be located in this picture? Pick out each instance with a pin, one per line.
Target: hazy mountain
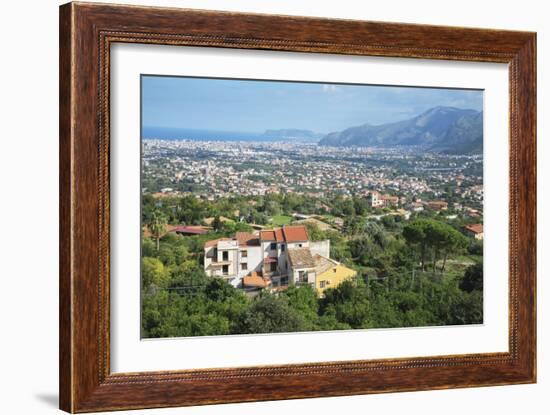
(293, 133)
(444, 129)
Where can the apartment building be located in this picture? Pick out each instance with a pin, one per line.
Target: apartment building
(272, 258)
(475, 230)
(378, 200)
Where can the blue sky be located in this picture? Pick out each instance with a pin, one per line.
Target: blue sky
(254, 106)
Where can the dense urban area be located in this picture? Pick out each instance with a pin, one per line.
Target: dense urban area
(282, 236)
(213, 169)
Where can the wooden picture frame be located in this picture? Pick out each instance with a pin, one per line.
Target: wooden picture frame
(86, 33)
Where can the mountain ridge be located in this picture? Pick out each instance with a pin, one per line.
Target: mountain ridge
(295, 133)
(443, 129)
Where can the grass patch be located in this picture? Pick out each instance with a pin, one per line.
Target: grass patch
(280, 220)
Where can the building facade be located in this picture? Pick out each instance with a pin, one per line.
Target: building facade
(475, 230)
(378, 200)
(276, 257)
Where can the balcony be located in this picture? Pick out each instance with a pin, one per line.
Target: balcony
(218, 264)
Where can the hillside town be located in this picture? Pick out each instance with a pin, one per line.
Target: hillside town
(288, 236)
(265, 198)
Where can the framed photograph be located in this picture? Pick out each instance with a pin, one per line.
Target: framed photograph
(259, 207)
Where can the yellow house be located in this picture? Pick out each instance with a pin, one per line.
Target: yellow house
(330, 274)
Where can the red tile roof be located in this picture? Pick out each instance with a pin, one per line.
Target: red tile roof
(247, 239)
(438, 203)
(389, 197)
(475, 228)
(295, 233)
(279, 235)
(256, 280)
(267, 235)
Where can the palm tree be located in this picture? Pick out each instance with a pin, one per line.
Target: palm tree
(157, 225)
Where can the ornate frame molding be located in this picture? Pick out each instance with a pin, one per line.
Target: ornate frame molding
(87, 31)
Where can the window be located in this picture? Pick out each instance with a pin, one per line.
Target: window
(244, 254)
(302, 276)
(225, 269)
(273, 267)
(225, 256)
(273, 246)
(244, 266)
(282, 248)
(322, 284)
(299, 245)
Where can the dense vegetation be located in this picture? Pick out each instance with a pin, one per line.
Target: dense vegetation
(420, 272)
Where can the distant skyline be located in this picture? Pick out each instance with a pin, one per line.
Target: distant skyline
(255, 106)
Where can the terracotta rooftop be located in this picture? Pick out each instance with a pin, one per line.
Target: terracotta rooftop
(268, 235)
(475, 228)
(275, 235)
(300, 258)
(295, 233)
(389, 197)
(438, 203)
(256, 280)
(247, 239)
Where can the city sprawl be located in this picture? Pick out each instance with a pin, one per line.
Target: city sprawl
(217, 169)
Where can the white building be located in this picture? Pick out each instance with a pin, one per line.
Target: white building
(281, 256)
(375, 199)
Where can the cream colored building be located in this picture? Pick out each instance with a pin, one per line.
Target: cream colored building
(279, 257)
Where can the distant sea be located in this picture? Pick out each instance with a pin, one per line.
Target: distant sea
(200, 135)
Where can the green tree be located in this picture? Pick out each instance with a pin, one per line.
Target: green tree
(148, 248)
(473, 278)
(271, 314)
(314, 233)
(153, 272)
(364, 250)
(433, 237)
(415, 234)
(388, 221)
(475, 247)
(219, 290)
(467, 308)
(157, 225)
(303, 300)
(217, 224)
(188, 274)
(349, 303)
(452, 242)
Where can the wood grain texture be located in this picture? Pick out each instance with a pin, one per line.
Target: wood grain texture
(86, 33)
(65, 246)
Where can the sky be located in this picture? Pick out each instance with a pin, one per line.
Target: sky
(255, 106)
